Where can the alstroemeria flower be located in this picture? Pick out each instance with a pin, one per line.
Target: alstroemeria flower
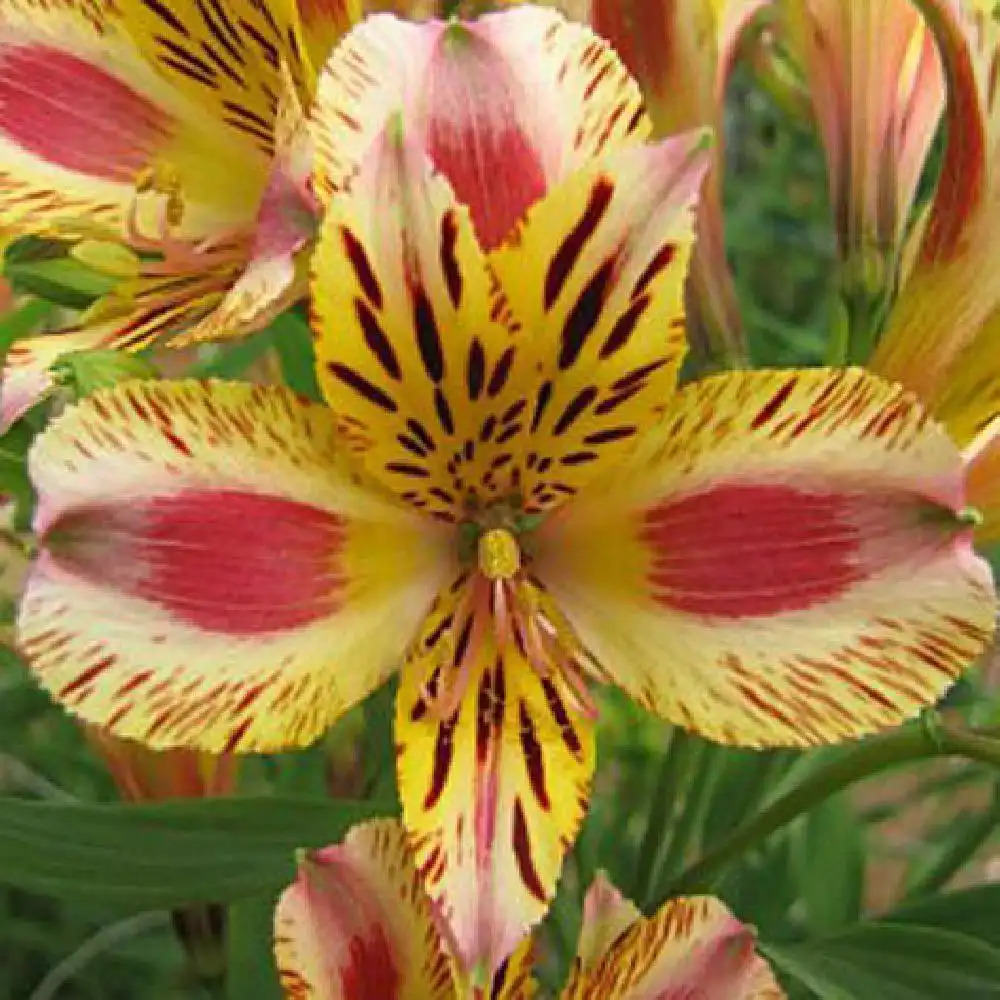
(144, 775)
(356, 924)
(174, 129)
(507, 497)
(682, 52)
(877, 91)
(943, 335)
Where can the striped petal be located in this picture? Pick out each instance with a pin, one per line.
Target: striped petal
(681, 52)
(356, 924)
(83, 114)
(324, 23)
(877, 91)
(596, 274)
(211, 573)
(547, 376)
(513, 980)
(504, 106)
(227, 57)
(785, 565)
(939, 322)
(272, 275)
(691, 948)
(416, 352)
(607, 914)
(967, 34)
(495, 764)
(141, 312)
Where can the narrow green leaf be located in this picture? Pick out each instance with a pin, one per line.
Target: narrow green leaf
(830, 865)
(169, 854)
(967, 833)
(22, 322)
(973, 912)
(885, 961)
(251, 971)
(231, 360)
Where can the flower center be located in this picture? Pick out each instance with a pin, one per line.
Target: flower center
(499, 554)
(502, 601)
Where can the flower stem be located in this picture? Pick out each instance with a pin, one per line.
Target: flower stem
(930, 738)
(668, 791)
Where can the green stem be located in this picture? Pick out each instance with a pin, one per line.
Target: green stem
(931, 738)
(673, 769)
(697, 787)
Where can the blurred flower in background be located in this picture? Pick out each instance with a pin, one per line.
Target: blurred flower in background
(875, 81)
(682, 52)
(177, 165)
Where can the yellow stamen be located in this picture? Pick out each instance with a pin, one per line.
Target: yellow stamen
(499, 554)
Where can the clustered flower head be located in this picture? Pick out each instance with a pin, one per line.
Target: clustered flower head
(506, 496)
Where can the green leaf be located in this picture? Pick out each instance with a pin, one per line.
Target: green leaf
(22, 322)
(251, 971)
(831, 864)
(293, 342)
(45, 268)
(973, 912)
(84, 372)
(168, 854)
(230, 360)
(885, 961)
(946, 855)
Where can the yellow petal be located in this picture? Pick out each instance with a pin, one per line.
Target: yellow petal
(416, 350)
(324, 23)
(596, 275)
(607, 914)
(785, 564)
(226, 59)
(681, 52)
(356, 924)
(494, 790)
(513, 980)
(211, 573)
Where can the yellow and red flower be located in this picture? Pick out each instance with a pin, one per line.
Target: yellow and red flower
(176, 130)
(357, 924)
(507, 497)
(943, 335)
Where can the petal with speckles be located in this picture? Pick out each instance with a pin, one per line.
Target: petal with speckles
(784, 563)
(691, 947)
(211, 572)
